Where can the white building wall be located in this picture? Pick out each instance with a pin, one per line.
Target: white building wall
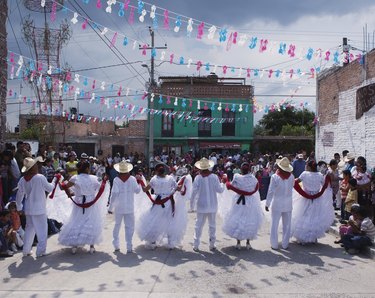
(357, 136)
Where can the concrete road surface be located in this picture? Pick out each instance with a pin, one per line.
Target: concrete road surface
(320, 270)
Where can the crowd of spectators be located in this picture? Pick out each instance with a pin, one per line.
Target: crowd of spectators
(350, 176)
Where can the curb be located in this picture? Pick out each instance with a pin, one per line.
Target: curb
(334, 230)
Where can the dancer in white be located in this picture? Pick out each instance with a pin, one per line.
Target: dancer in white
(155, 223)
(279, 198)
(313, 211)
(32, 189)
(122, 204)
(205, 188)
(245, 216)
(85, 224)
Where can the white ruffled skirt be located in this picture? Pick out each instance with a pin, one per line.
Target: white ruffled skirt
(240, 221)
(85, 227)
(312, 218)
(60, 207)
(158, 225)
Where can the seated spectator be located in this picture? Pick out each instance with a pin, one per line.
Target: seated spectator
(346, 227)
(15, 221)
(362, 237)
(6, 239)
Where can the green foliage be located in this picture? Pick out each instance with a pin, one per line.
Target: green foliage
(32, 133)
(290, 130)
(274, 121)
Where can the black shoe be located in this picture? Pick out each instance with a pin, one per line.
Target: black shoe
(6, 254)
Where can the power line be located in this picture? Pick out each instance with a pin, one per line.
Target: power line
(111, 48)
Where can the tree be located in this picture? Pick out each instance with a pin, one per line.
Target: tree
(274, 121)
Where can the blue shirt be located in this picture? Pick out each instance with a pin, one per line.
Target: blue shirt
(299, 166)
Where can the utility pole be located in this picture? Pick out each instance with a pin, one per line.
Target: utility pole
(151, 89)
(3, 71)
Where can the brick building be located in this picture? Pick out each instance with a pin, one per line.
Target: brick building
(345, 100)
(92, 136)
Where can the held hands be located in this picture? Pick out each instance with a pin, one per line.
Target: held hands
(224, 178)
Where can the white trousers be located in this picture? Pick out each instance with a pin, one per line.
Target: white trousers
(286, 221)
(199, 223)
(36, 224)
(129, 230)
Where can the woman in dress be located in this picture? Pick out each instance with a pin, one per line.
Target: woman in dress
(155, 222)
(245, 216)
(313, 211)
(85, 224)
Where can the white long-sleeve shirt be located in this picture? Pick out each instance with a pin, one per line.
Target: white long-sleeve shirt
(34, 192)
(205, 191)
(280, 193)
(122, 195)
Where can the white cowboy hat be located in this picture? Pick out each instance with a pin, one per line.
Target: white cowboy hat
(123, 167)
(204, 164)
(284, 164)
(349, 156)
(29, 162)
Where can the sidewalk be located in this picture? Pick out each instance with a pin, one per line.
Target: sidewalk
(334, 230)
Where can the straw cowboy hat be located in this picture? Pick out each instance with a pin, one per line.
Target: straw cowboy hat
(284, 164)
(349, 156)
(29, 162)
(123, 167)
(204, 164)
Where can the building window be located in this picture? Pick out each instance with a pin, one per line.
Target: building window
(204, 127)
(229, 126)
(167, 123)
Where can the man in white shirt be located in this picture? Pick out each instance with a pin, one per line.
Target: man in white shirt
(205, 188)
(122, 204)
(279, 197)
(33, 187)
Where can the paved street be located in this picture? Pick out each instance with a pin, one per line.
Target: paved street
(302, 271)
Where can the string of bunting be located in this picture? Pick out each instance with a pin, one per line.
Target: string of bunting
(207, 66)
(76, 85)
(202, 29)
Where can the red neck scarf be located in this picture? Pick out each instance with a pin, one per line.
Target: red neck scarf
(124, 178)
(282, 174)
(28, 176)
(205, 173)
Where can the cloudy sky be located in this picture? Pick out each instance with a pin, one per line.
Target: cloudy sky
(315, 24)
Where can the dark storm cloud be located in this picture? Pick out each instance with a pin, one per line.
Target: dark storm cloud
(240, 12)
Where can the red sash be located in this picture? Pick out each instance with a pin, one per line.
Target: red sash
(299, 189)
(242, 193)
(89, 204)
(181, 182)
(58, 177)
(159, 201)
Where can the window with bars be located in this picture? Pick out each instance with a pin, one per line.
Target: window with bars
(204, 127)
(229, 126)
(167, 123)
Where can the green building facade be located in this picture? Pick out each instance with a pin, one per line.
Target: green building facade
(203, 127)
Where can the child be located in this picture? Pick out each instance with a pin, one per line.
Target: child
(7, 237)
(363, 236)
(352, 197)
(15, 221)
(344, 188)
(346, 229)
